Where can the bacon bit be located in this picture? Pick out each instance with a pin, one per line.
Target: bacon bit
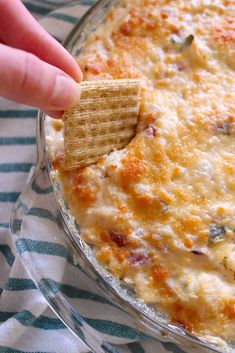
(229, 309)
(118, 238)
(150, 131)
(159, 273)
(186, 325)
(139, 257)
(58, 162)
(93, 68)
(125, 29)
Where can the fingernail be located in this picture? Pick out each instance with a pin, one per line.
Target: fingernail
(66, 93)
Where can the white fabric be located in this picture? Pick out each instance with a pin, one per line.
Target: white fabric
(20, 300)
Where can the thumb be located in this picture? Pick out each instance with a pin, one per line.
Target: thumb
(28, 80)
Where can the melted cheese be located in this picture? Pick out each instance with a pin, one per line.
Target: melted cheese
(161, 212)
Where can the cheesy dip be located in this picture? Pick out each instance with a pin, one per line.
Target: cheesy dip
(160, 214)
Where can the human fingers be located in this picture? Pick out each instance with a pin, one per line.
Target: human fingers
(27, 79)
(20, 30)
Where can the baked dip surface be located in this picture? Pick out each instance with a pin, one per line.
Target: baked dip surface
(161, 212)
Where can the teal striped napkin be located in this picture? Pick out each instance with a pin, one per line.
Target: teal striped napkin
(27, 324)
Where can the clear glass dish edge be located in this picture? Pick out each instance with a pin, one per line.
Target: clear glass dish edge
(145, 320)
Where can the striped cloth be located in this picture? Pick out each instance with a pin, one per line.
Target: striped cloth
(27, 323)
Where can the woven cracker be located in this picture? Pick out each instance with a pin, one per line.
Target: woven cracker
(104, 120)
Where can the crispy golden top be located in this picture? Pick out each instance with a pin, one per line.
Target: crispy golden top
(161, 213)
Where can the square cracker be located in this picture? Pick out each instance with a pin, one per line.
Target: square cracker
(104, 120)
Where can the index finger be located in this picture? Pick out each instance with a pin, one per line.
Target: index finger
(20, 30)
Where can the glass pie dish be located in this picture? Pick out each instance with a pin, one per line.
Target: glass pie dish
(29, 227)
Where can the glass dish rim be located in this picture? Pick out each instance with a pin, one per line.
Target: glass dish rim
(44, 158)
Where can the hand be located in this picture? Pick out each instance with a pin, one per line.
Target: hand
(34, 68)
